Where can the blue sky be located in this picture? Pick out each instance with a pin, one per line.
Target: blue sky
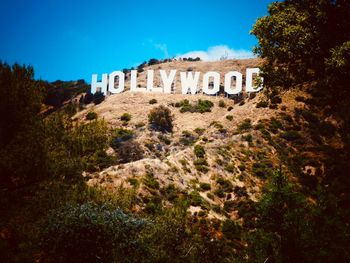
(68, 40)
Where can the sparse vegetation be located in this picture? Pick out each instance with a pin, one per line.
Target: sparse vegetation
(200, 106)
(229, 117)
(153, 101)
(125, 117)
(91, 115)
(161, 119)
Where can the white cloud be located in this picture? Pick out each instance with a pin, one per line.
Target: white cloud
(218, 52)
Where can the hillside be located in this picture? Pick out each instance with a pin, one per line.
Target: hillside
(236, 138)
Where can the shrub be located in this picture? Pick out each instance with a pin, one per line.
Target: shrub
(153, 101)
(219, 192)
(196, 199)
(300, 99)
(199, 151)
(241, 167)
(150, 181)
(230, 108)
(262, 169)
(230, 168)
(290, 135)
(245, 125)
(130, 151)
(226, 185)
(201, 165)
(229, 117)
(120, 135)
(200, 106)
(275, 125)
(161, 119)
(79, 233)
(276, 100)
(205, 186)
(231, 229)
(164, 139)
(262, 104)
(248, 138)
(98, 97)
(222, 104)
(91, 116)
(125, 117)
(199, 131)
(187, 138)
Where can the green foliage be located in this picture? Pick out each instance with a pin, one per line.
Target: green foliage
(275, 125)
(120, 135)
(309, 42)
(152, 101)
(245, 125)
(161, 119)
(129, 151)
(125, 117)
(291, 135)
(98, 97)
(200, 131)
(205, 186)
(229, 117)
(262, 104)
(231, 230)
(188, 138)
(199, 151)
(196, 199)
(201, 165)
(74, 148)
(91, 115)
(81, 232)
(22, 152)
(200, 106)
(262, 169)
(150, 181)
(222, 104)
(248, 138)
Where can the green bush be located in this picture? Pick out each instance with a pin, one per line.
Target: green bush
(91, 116)
(199, 151)
(200, 106)
(245, 125)
(222, 104)
(229, 117)
(291, 135)
(248, 138)
(199, 131)
(196, 199)
(205, 186)
(225, 185)
(231, 229)
(80, 233)
(120, 135)
(151, 182)
(262, 104)
(129, 151)
(125, 117)
(161, 119)
(188, 138)
(153, 101)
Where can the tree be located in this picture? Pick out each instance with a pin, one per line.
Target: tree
(301, 41)
(281, 225)
(22, 152)
(161, 119)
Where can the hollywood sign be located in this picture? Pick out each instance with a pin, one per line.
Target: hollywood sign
(189, 82)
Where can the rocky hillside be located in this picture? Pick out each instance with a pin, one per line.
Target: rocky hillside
(236, 144)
